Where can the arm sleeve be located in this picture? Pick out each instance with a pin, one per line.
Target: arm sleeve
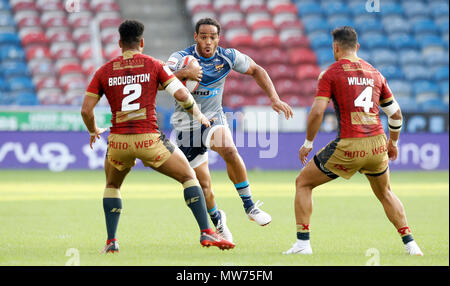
(241, 61)
(324, 86)
(385, 93)
(174, 60)
(95, 88)
(165, 75)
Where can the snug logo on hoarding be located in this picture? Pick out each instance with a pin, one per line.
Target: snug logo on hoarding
(56, 155)
(96, 155)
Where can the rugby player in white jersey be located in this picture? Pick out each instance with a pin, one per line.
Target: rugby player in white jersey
(194, 140)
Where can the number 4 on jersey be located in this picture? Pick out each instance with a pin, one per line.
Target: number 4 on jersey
(364, 99)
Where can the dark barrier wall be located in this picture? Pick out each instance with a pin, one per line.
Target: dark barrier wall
(58, 151)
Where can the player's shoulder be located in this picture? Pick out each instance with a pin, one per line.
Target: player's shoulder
(182, 53)
(105, 68)
(329, 71)
(188, 51)
(366, 65)
(229, 53)
(369, 67)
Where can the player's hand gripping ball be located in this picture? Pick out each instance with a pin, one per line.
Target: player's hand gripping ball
(189, 83)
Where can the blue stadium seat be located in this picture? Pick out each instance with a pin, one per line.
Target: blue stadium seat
(403, 41)
(368, 24)
(312, 18)
(315, 24)
(365, 55)
(400, 88)
(439, 8)
(433, 105)
(4, 5)
(20, 84)
(443, 88)
(407, 104)
(426, 88)
(340, 21)
(396, 24)
(436, 58)
(410, 56)
(390, 72)
(320, 40)
(424, 26)
(324, 55)
(358, 8)
(384, 56)
(391, 8)
(26, 98)
(9, 38)
(7, 20)
(374, 40)
(443, 26)
(4, 86)
(441, 74)
(414, 8)
(430, 41)
(333, 8)
(11, 52)
(6, 98)
(419, 18)
(12, 68)
(416, 72)
(309, 8)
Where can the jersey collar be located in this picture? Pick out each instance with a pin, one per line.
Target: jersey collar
(129, 54)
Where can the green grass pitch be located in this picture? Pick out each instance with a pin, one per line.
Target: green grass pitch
(57, 219)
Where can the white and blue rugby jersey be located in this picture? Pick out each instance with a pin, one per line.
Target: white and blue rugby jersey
(209, 92)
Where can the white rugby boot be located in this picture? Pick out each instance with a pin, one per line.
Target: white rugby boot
(413, 249)
(222, 227)
(259, 216)
(300, 247)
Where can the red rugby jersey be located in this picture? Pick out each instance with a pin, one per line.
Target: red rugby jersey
(130, 83)
(357, 89)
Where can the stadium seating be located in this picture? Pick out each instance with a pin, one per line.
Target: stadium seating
(273, 35)
(407, 41)
(45, 50)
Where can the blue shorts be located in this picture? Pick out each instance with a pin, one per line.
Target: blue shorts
(195, 143)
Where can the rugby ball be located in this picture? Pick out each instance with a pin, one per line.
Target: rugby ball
(190, 84)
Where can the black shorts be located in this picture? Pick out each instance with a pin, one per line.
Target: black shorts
(195, 143)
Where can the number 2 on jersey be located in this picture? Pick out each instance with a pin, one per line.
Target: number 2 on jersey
(133, 92)
(364, 99)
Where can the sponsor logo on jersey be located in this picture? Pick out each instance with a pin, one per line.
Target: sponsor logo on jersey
(209, 92)
(128, 64)
(363, 118)
(219, 67)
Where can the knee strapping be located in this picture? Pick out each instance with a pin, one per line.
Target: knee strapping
(112, 193)
(191, 183)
